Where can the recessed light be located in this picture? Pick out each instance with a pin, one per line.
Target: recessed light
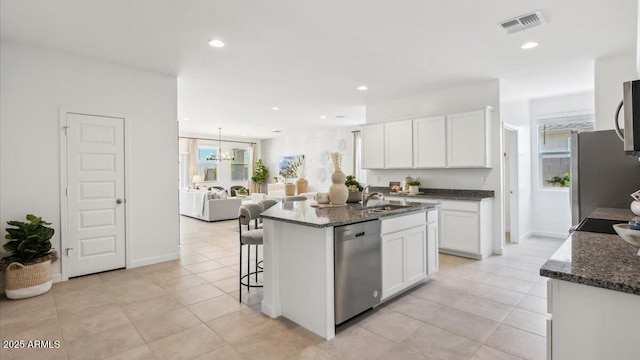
(275, 108)
(323, 117)
(216, 43)
(339, 116)
(185, 119)
(276, 130)
(362, 88)
(529, 45)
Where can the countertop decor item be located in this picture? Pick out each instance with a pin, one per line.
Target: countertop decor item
(635, 205)
(355, 189)
(338, 192)
(302, 185)
(289, 189)
(27, 268)
(414, 186)
(628, 234)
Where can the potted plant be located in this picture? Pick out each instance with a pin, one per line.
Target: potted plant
(242, 191)
(27, 268)
(563, 181)
(355, 189)
(260, 174)
(414, 186)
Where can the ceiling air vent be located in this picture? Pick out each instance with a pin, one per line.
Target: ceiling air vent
(522, 22)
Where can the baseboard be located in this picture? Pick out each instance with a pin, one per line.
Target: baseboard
(526, 235)
(153, 260)
(270, 311)
(56, 277)
(551, 234)
(498, 251)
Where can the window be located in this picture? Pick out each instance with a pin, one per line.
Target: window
(207, 163)
(554, 137)
(240, 165)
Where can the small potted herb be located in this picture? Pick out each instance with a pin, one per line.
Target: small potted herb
(414, 186)
(563, 181)
(355, 189)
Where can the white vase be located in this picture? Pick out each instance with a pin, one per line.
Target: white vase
(413, 189)
(635, 207)
(338, 192)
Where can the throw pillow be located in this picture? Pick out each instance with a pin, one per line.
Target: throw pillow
(212, 195)
(222, 194)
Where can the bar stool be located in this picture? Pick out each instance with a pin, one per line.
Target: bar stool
(249, 237)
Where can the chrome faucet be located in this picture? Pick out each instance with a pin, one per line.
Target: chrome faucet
(367, 194)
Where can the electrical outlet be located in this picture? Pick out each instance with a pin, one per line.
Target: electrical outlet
(378, 179)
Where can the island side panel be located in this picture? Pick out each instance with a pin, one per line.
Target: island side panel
(300, 284)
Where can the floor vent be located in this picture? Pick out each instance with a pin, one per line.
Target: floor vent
(522, 22)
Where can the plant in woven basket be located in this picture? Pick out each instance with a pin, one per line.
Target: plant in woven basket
(27, 268)
(29, 242)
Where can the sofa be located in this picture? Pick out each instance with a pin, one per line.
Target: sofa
(199, 205)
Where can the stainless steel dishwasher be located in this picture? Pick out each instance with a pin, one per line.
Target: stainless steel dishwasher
(358, 268)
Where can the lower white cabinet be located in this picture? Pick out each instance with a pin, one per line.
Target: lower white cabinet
(404, 252)
(432, 242)
(465, 228)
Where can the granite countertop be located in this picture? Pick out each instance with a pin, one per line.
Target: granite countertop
(445, 194)
(601, 260)
(302, 213)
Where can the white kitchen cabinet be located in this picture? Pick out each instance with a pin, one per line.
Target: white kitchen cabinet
(403, 253)
(591, 323)
(373, 144)
(429, 142)
(398, 147)
(432, 242)
(469, 138)
(465, 228)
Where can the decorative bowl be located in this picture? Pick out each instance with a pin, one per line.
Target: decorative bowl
(627, 234)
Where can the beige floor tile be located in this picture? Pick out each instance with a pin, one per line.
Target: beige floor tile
(171, 273)
(313, 352)
(218, 274)
(20, 320)
(481, 307)
(204, 266)
(503, 296)
(249, 297)
(438, 294)
(181, 283)
(489, 353)
(357, 342)
(462, 323)
(232, 260)
(187, 344)
(534, 304)
(528, 321)
(46, 330)
(215, 255)
(400, 352)
(226, 352)
(120, 274)
(139, 353)
(42, 353)
(92, 320)
(77, 283)
(217, 307)
(192, 259)
(436, 343)
(150, 307)
(518, 342)
(279, 343)
(416, 308)
(169, 323)
(243, 324)
(197, 294)
(131, 295)
(105, 344)
(391, 325)
(76, 300)
(227, 285)
(539, 290)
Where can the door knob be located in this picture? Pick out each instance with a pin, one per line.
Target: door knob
(119, 201)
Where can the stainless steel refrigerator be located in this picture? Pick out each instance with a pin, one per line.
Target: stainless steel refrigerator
(602, 175)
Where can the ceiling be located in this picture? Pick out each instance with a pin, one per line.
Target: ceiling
(308, 57)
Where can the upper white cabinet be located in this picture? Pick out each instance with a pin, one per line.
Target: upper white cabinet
(468, 138)
(372, 146)
(398, 144)
(429, 142)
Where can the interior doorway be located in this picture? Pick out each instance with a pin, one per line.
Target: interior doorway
(510, 181)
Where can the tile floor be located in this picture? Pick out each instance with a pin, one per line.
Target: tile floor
(188, 309)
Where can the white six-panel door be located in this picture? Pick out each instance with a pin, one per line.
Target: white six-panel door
(95, 194)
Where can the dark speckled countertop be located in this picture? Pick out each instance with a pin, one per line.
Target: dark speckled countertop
(600, 260)
(302, 213)
(444, 194)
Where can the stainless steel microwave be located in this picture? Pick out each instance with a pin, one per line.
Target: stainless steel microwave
(630, 135)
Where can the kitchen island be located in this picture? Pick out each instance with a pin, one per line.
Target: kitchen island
(593, 295)
(298, 256)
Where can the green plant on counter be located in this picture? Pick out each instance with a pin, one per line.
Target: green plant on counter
(353, 184)
(414, 182)
(260, 173)
(242, 191)
(563, 181)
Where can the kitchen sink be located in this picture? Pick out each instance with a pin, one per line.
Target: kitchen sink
(385, 208)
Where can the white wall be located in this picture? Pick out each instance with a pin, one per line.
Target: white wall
(552, 207)
(36, 83)
(610, 73)
(514, 110)
(313, 146)
(467, 97)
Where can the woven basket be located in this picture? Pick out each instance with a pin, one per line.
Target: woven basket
(23, 281)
